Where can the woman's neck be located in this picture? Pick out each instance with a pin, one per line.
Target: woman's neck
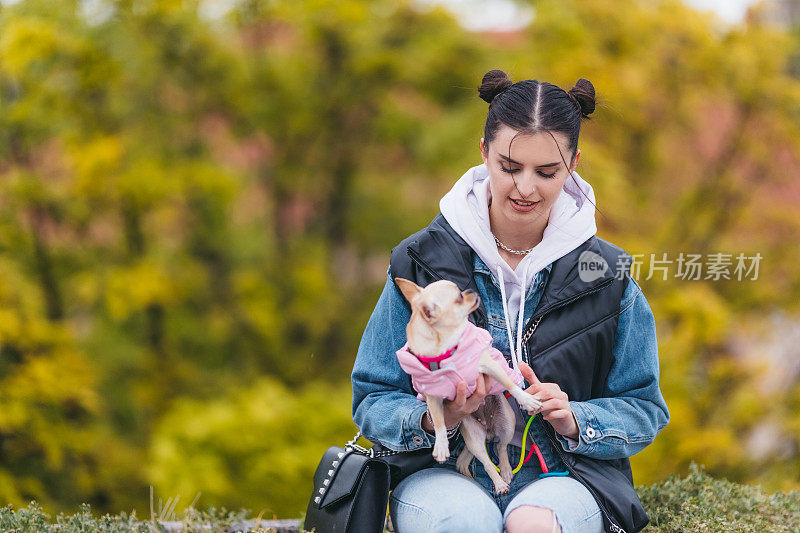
(515, 237)
(512, 260)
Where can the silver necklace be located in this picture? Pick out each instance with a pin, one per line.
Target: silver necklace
(507, 249)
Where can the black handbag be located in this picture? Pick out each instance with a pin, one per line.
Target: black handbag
(352, 484)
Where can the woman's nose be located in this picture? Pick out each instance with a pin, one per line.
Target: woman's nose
(526, 186)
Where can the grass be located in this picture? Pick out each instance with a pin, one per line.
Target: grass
(697, 503)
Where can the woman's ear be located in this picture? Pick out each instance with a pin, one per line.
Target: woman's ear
(484, 152)
(575, 160)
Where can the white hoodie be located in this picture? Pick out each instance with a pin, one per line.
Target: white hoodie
(571, 222)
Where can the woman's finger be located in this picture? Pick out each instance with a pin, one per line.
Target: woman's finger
(558, 414)
(477, 396)
(480, 385)
(480, 392)
(461, 394)
(553, 404)
(487, 383)
(547, 391)
(551, 390)
(528, 374)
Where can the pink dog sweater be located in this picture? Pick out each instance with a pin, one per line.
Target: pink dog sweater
(461, 365)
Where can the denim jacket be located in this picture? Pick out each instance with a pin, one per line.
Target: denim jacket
(622, 423)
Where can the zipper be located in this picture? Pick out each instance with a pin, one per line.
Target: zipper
(614, 527)
(532, 324)
(532, 327)
(417, 259)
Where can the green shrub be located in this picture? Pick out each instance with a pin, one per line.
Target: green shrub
(33, 519)
(696, 503)
(699, 503)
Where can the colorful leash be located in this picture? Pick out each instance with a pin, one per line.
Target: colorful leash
(534, 448)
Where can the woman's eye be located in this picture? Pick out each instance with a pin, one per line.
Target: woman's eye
(513, 170)
(509, 170)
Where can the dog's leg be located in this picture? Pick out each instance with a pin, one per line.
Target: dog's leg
(505, 420)
(441, 448)
(463, 462)
(475, 441)
(491, 367)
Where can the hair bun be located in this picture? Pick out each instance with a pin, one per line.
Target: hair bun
(494, 82)
(583, 94)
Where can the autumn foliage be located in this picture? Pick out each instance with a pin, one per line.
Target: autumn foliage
(197, 208)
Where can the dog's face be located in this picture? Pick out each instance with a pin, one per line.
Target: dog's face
(441, 304)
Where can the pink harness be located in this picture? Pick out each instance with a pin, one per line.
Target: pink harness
(432, 362)
(439, 375)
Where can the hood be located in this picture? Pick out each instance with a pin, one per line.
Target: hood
(571, 222)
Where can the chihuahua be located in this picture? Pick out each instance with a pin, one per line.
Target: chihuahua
(443, 347)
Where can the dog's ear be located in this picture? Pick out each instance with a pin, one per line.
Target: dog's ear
(408, 288)
(430, 311)
(470, 295)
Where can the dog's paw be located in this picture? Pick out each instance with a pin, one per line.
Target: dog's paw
(441, 450)
(528, 402)
(500, 487)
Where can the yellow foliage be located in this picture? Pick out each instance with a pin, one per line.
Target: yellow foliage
(257, 446)
(25, 41)
(95, 163)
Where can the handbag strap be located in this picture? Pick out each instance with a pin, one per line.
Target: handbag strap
(351, 444)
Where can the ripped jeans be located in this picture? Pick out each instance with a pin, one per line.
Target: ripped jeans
(440, 499)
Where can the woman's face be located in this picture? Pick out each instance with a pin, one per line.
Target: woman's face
(537, 168)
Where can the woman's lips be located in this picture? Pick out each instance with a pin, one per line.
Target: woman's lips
(522, 208)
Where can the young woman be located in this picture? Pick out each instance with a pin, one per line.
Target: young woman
(560, 304)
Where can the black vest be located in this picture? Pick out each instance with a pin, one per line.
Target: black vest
(570, 338)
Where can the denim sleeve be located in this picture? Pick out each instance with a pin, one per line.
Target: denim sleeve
(632, 411)
(385, 406)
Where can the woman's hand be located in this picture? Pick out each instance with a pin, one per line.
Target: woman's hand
(461, 405)
(555, 403)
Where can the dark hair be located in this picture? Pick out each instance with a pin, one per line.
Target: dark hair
(533, 106)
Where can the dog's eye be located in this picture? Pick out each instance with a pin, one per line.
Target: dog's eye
(460, 297)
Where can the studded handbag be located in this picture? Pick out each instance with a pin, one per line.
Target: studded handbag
(352, 484)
